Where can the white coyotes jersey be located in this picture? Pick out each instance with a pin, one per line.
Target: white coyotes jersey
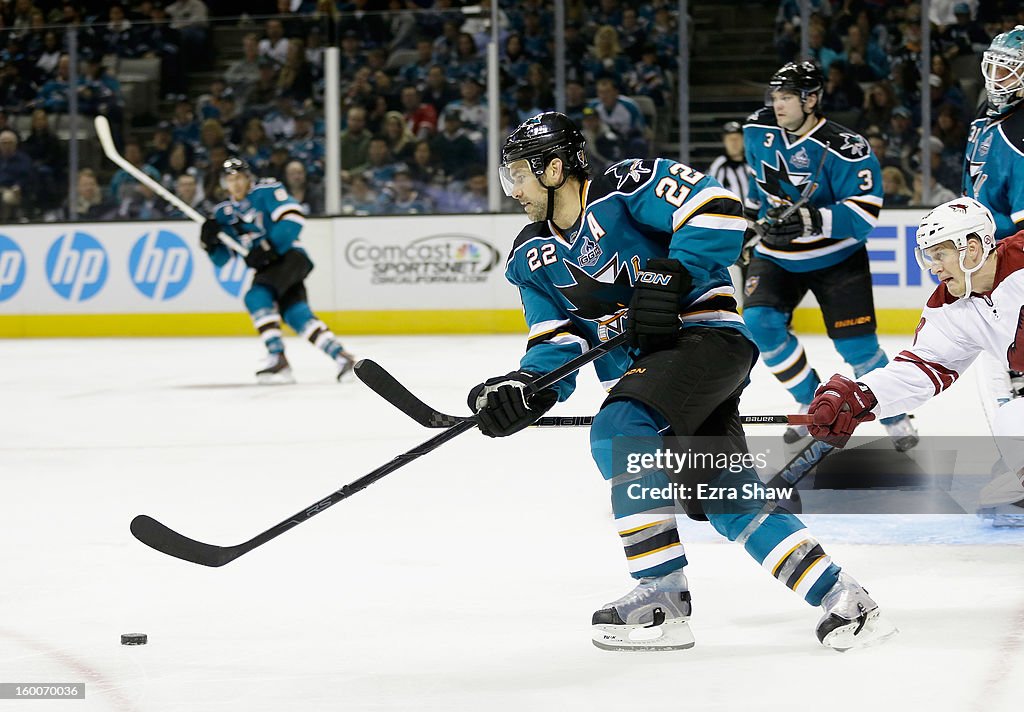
(951, 334)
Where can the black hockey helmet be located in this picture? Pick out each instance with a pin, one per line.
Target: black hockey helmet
(235, 165)
(804, 78)
(538, 140)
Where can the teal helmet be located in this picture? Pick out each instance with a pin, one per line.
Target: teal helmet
(1003, 68)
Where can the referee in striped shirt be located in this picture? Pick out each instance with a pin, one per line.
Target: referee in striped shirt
(730, 169)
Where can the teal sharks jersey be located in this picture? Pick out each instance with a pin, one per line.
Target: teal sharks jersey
(994, 167)
(845, 185)
(268, 211)
(576, 284)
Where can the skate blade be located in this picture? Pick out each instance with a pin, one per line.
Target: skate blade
(670, 635)
(346, 376)
(1002, 520)
(794, 434)
(907, 442)
(281, 378)
(875, 631)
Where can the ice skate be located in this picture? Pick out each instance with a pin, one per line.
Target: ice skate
(275, 371)
(852, 619)
(903, 434)
(795, 433)
(1004, 516)
(653, 616)
(345, 362)
(1002, 501)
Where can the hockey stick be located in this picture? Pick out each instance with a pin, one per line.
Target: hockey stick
(165, 540)
(585, 421)
(106, 139)
(803, 462)
(388, 387)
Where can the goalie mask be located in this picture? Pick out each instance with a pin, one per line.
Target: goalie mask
(957, 221)
(1003, 68)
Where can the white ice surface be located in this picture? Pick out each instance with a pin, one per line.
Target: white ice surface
(464, 581)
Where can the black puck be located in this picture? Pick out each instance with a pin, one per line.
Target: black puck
(134, 638)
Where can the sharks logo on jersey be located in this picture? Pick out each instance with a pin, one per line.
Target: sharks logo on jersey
(598, 296)
(780, 185)
(629, 171)
(601, 297)
(853, 144)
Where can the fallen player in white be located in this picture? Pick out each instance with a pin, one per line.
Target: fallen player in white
(978, 307)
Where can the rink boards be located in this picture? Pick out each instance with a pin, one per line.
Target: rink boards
(374, 275)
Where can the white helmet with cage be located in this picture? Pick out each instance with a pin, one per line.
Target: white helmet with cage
(1002, 65)
(956, 221)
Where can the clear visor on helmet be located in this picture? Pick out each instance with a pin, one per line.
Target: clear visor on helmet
(1004, 76)
(771, 92)
(928, 257)
(513, 175)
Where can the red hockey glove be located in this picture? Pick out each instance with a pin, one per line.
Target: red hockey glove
(838, 408)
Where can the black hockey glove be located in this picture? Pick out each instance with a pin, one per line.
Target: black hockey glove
(261, 254)
(506, 404)
(652, 321)
(805, 220)
(208, 236)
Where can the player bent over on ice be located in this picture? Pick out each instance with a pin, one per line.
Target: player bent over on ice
(977, 307)
(266, 220)
(646, 247)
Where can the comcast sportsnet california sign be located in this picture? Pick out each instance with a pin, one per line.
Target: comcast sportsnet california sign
(435, 259)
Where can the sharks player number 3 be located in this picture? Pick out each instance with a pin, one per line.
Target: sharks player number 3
(819, 191)
(646, 248)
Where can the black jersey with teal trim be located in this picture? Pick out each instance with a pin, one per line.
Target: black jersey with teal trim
(994, 167)
(576, 284)
(846, 182)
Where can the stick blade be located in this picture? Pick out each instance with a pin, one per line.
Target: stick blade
(167, 541)
(387, 387)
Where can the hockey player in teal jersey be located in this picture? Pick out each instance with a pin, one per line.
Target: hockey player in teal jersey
(994, 161)
(645, 248)
(796, 154)
(994, 174)
(267, 221)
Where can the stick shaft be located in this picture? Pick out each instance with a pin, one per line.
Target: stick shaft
(106, 139)
(165, 540)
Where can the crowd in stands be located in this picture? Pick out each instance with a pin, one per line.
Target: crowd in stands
(414, 105)
(870, 55)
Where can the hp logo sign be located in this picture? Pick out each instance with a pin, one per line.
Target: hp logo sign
(12, 268)
(160, 265)
(232, 276)
(76, 266)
